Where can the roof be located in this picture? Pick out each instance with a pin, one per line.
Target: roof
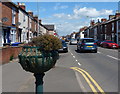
(49, 27)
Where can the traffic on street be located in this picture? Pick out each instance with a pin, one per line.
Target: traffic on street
(59, 47)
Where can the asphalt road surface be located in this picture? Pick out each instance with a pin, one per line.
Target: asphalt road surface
(73, 72)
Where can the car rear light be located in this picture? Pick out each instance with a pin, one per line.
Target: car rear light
(95, 43)
(83, 43)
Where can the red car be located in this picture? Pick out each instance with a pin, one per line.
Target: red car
(109, 44)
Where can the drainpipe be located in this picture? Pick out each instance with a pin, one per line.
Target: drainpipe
(117, 33)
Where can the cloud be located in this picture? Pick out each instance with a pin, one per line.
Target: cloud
(85, 12)
(91, 12)
(59, 6)
(79, 17)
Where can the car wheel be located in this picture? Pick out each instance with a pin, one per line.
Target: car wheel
(95, 51)
(77, 49)
(66, 51)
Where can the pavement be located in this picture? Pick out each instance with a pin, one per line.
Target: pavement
(58, 79)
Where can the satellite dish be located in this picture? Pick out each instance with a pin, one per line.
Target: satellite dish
(4, 19)
(19, 23)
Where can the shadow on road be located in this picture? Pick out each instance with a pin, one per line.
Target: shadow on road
(84, 51)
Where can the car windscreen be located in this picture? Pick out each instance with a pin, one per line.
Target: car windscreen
(87, 40)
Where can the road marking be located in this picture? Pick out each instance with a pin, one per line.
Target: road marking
(87, 80)
(116, 50)
(99, 52)
(80, 82)
(109, 56)
(113, 57)
(87, 74)
(76, 59)
(79, 64)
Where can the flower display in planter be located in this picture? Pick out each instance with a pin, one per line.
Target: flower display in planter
(41, 54)
(47, 42)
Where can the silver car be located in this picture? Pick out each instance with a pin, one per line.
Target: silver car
(73, 42)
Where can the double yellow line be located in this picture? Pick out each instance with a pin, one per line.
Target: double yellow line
(87, 76)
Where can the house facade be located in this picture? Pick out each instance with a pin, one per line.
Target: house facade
(23, 23)
(9, 23)
(106, 29)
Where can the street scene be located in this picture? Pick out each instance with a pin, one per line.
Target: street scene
(59, 47)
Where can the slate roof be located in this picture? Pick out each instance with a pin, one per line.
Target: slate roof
(49, 27)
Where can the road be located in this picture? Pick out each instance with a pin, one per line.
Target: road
(74, 72)
(102, 66)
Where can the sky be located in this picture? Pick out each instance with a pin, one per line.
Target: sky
(69, 17)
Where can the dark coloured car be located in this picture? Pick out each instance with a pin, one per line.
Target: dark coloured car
(98, 42)
(109, 44)
(87, 44)
(64, 47)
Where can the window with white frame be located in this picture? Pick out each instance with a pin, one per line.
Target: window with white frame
(112, 27)
(13, 36)
(13, 16)
(23, 17)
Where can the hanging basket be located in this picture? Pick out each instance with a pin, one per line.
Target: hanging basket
(34, 60)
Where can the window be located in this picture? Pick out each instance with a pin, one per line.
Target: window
(23, 17)
(105, 28)
(112, 27)
(13, 16)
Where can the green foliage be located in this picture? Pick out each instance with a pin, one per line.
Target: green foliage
(11, 57)
(47, 42)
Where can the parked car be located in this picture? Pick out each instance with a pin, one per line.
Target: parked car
(87, 44)
(109, 44)
(73, 42)
(98, 42)
(64, 47)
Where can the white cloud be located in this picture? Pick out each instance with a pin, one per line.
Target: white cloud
(80, 17)
(84, 13)
(59, 6)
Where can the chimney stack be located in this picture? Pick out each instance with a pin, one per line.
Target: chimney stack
(40, 21)
(103, 20)
(111, 16)
(36, 18)
(22, 5)
(92, 23)
(30, 13)
(117, 15)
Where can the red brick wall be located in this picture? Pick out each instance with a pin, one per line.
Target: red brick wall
(7, 52)
(7, 12)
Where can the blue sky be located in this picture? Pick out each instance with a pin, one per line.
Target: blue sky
(71, 16)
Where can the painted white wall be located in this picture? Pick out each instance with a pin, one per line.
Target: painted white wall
(82, 34)
(43, 30)
(23, 19)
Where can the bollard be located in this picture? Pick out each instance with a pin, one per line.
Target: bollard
(39, 83)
